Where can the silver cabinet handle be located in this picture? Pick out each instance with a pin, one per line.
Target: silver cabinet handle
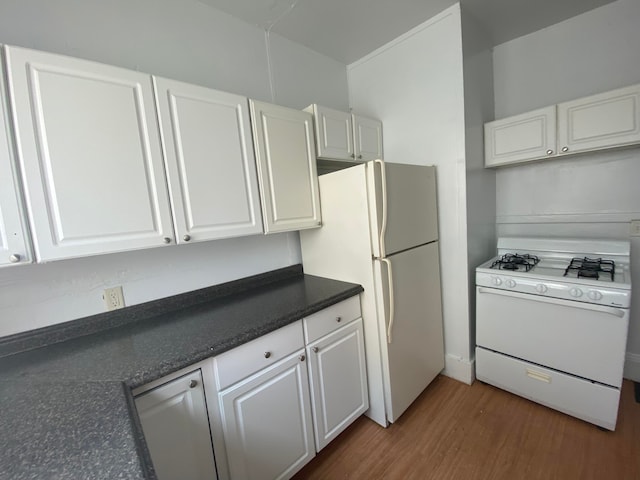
(565, 149)
(15, 258)
(193, 384)
(549, 152)
(302, 358)
(353, 155)
(360, 157)
(267, 354)
(186, 238)
(167, 240)
(315, 349)
(338, 319)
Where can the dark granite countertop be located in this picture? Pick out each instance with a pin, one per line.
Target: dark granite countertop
(65, 391)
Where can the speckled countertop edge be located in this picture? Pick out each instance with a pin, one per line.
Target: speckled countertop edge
(322, 293)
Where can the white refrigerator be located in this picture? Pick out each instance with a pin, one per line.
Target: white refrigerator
(380, 229)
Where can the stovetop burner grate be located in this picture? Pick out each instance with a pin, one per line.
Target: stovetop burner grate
(515, 261)
(591, 268)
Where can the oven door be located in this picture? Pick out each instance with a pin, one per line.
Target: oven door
(579, 338)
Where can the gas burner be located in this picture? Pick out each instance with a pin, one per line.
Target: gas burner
(514, 261)
(591, 268)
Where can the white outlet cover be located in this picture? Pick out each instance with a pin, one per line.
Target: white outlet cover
(113, 298)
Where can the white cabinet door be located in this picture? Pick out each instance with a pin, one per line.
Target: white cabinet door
(334, 133)
(14, 248)
(367, 135)
(89, 148)
(338, 379)
(286, 158)
(267, 422)
(610, 119)
(176, 428)
(522, 137)
(210, 163)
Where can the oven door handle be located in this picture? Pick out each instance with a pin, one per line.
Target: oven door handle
(616, 312)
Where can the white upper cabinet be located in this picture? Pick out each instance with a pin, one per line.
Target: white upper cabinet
(367, 137)
(521, 137)
(89, 148)
(14, 248)
(210, 162)
(334, 133)
(606, 120)
(286, 159)
(600, 121)
(345, 136)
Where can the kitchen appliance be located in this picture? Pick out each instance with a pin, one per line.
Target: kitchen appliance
(551, 323)
(380, 230)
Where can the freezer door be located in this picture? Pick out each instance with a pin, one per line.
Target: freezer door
(408, 291)
(402, 206)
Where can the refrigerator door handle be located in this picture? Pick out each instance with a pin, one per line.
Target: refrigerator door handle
(392, 307)
(383, 225)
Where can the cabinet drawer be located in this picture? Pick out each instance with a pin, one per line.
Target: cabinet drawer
(331, 318)
(257, 354)
(574, 396)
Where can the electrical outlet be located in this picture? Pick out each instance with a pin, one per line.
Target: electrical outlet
(113, 298)
(635, 228)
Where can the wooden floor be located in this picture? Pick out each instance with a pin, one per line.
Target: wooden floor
(456, 431)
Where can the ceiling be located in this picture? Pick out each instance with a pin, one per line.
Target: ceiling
(347, 30)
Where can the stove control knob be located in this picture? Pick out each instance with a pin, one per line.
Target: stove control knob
(511, 283)
(575, 292)
(594, 295)
(541, 288)
(497, 281)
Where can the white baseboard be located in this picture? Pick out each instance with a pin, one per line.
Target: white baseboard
(632, 367)
(459, 369)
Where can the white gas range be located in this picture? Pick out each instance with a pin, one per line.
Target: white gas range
(551, 323)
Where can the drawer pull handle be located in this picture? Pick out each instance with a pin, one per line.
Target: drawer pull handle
(267, 354)
(193, 384)
(338, 319)
(542, 377)
(315, 349)
(301, 357)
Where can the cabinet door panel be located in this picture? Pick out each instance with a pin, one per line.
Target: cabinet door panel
(521, 137)
(90, 151)
(606, 120)
(338, 381)
(334, 134)
(176, 429)
(267, 422)
(286, 157)
(367, 138)
(13, 234)
(210, 162)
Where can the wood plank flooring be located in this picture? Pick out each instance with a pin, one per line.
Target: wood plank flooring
(456, 431)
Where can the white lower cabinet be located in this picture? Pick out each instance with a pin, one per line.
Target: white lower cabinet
(267, 423)
(176, 428)
(338, 380)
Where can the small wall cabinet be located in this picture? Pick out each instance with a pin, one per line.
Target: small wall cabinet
(14, 240)
(176, 427)
(286, 159)
(345, 136)
(597, 122)
(90, 154)
(210, 163)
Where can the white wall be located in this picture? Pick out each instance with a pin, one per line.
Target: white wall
(594, 52)
(481, 182)
(180, 39)
(415, 85)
